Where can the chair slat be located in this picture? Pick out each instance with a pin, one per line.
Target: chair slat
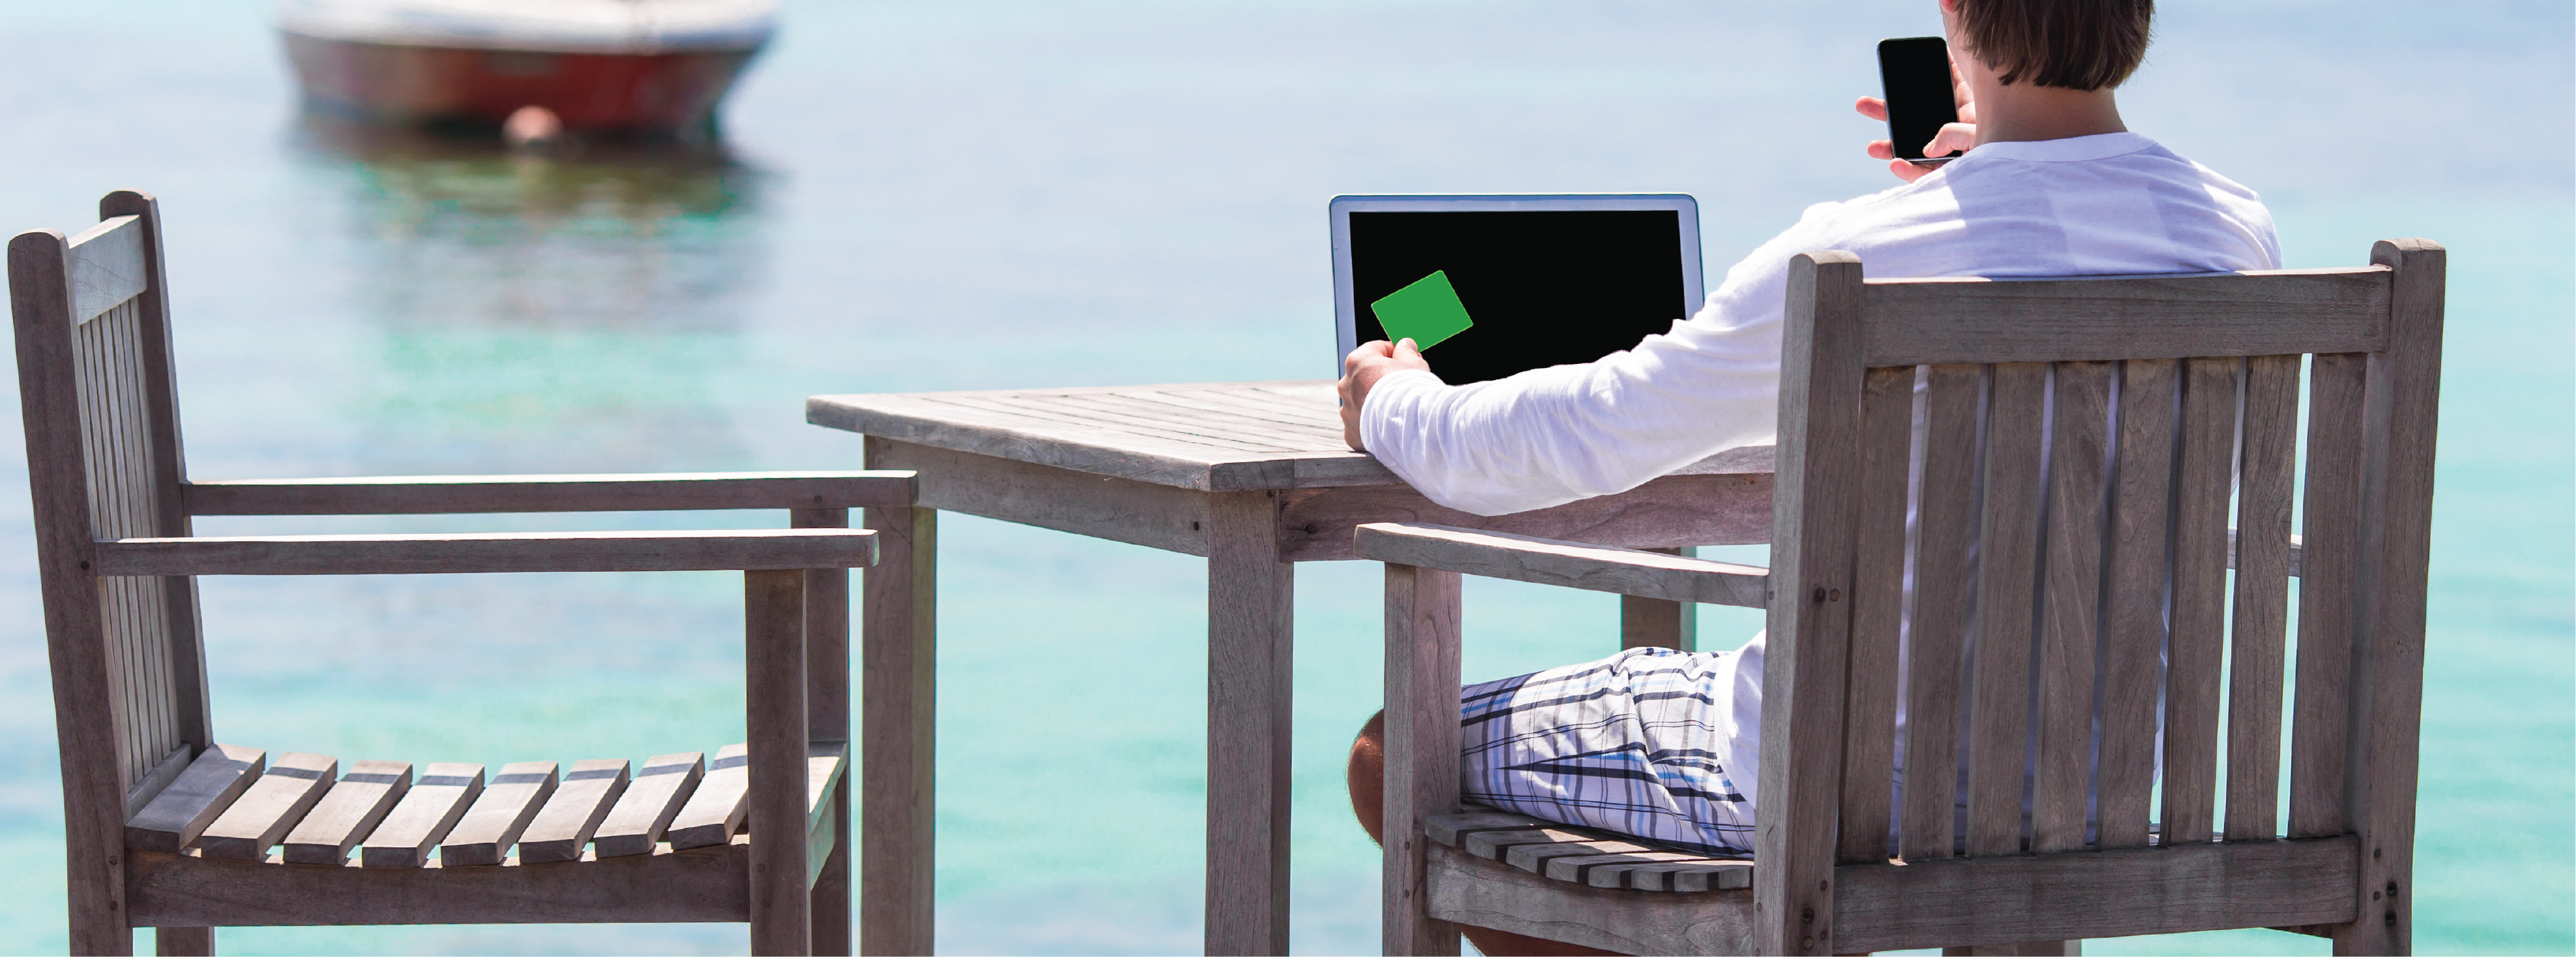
(2207, 452)
(184, 809)
(2007, 569)
(716, 810)
(2071, 604)
(283, 794)
(1945, 527)
(1910, 322)
(499, 816)
(2330, 530)
(651, 799)
(1878, 610)
(575, 811)
(2265, 480)
(347, 813)
(145, 599)
(2134, 613)
(424, 816)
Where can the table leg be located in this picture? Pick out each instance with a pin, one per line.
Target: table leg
(897, 701)
(1250, 652)
(1656, 623)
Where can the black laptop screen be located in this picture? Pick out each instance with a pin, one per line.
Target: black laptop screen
(1542, 288)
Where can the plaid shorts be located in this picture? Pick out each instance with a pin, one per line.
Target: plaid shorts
(1650, 742)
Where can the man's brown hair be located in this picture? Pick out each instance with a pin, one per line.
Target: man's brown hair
(2076, 44)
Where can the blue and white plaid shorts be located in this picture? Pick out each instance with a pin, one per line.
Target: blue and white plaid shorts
(1650, 742)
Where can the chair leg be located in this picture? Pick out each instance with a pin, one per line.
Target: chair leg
(774, 666)
(832, 889)
(183, 941)
(1422, 611)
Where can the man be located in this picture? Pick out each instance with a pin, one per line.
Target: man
(1662, 744)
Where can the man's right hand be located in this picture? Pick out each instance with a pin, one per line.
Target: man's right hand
(1957, 137)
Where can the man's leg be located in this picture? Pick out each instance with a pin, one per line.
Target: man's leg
(1367, 775)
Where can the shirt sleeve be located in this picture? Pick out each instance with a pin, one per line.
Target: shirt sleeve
(1550, 436)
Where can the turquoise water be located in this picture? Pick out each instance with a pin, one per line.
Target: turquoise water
(983, 195)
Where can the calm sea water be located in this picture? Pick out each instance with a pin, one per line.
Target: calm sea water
(983, 195)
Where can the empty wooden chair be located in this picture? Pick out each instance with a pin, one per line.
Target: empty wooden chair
(168, 828)
(2089, 443)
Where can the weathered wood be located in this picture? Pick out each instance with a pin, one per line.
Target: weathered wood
(1476, 893)
(2007, 577)
(665, 551)
(1015, 425)
(1563, 564)
(1657, 623)
(1492, 845)
(2133, 614)
(2328, 594)
(655, 794)
(716, 809)
(2087, 894)
(457, 494)
(1611, 870)
(1423, 609)
(273, 804)
(2207, 450)
(1923, 321)
(707, 884)
(1878, 613)
(1450, 829)
(1814, 506)
(1946, 528)
(1098, 506)
(1534, 858)
(2260, 553)
(2402, 409)
(826, 763)
(497, 819)
(2071, 605)
(1673, 511)
(427, 812)
(107, 266)
(579, 805)
(782, 918)
(1251, 651)
(346, 814)
(827, 719)
(898, 729)
(89, 710)
(183, 810)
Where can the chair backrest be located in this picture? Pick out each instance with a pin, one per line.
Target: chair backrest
(2087, 446)
(103, 461)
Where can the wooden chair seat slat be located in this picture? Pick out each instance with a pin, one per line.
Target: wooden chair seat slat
(574, 813)
(289, 789)
(185, 808)
(346, 814)
(650, 801)
(497, 818)
(715, 810)
(436, 801)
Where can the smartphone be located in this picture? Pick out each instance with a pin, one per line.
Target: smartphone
(1914, 73)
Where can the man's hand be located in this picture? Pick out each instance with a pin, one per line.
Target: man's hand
(1360, 372)
(1954, 138)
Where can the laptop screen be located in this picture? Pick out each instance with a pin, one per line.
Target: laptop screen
(1496, 292)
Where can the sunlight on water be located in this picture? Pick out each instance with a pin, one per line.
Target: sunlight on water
(984, 195)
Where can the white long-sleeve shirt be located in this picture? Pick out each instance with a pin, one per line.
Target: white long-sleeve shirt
(2112, 204)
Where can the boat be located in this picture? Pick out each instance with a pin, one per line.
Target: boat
(639, 67)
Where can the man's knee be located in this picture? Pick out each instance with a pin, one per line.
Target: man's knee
(1367, 774)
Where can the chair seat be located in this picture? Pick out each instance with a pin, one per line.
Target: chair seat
(234, 841)
(1587, 856)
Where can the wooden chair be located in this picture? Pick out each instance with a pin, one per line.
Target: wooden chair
(167, 828)
(2172, 397)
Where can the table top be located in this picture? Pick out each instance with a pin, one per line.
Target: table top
(1220, 436)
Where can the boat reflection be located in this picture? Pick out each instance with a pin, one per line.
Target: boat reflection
(579, 307)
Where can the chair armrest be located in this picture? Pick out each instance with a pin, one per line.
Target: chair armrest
(470, 494)
(761, 550)
(1565, 564)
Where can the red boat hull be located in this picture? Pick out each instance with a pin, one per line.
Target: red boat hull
(648, 93)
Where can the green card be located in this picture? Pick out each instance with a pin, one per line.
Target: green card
(1426, 312)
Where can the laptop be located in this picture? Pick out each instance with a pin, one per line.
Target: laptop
(1499, 284)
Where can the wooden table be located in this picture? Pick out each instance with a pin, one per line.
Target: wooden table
(1252, 476)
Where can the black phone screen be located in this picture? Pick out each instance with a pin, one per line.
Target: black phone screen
(1915, 74)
